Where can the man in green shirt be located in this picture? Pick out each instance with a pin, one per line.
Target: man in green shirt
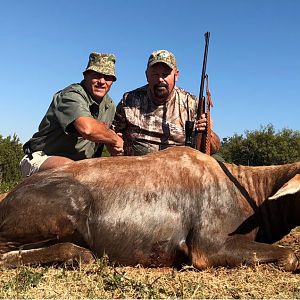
(77, 123)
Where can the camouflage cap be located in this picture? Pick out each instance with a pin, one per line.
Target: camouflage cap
(163, 56)
(102, 63)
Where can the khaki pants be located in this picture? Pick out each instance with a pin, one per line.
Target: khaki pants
(31, 166)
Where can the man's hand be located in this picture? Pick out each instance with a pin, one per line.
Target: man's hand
(201, 124)
(117, 149)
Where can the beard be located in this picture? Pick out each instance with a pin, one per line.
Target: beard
(161, 91)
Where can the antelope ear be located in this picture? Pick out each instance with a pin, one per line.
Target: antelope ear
(291, 187)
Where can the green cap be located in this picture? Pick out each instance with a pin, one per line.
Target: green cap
(162, 56)
(102, 63)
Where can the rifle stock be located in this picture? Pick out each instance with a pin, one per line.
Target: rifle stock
(200, 136)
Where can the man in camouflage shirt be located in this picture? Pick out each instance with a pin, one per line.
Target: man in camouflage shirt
(152, 117)
(77, 122)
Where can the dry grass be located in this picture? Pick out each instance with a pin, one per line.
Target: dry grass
(101, 280)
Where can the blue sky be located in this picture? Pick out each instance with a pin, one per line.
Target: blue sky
(253, 60)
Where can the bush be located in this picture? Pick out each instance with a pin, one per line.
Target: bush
(10, 155)
(262, 147)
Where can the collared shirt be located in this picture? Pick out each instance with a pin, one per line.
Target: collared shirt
(148, 127)
(57, 135)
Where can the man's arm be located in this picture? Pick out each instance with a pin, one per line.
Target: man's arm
(97, 131)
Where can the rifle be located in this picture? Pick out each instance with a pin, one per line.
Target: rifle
(201, 141)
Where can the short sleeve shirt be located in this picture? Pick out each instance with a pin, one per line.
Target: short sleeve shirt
(147, 127)
(57, 135)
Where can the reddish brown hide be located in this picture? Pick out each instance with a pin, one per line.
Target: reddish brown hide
(163, 209)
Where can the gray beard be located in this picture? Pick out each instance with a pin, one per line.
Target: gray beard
(161, 92)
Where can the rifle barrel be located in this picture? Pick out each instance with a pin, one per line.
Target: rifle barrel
(201, 106)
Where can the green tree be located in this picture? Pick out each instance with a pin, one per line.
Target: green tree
(10, 155)
(262, 147)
